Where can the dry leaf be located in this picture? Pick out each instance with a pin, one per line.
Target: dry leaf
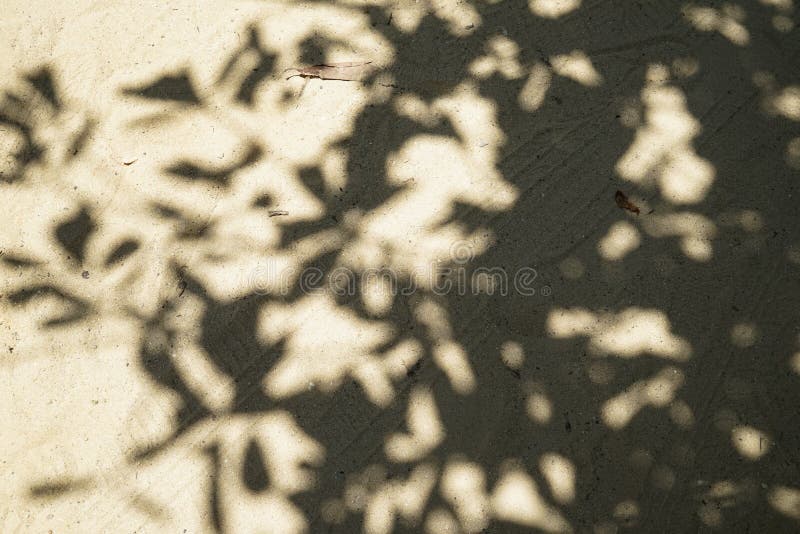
(623, 202)
(129, 161)
(276, 213)
(348, 71)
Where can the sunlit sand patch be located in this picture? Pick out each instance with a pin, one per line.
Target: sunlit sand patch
(462, 17)
(744, 334)
(426, 431)
(782, 23)
(553, 9)
(452, 360)
(516, 499)
(627, 334)
(448, 354)
(727, 21)
(627, 512)
(794, 363)
(662, 151)
(696, 232)
(577, 67)
(750, 442)
(685, 67)
(482, 137)
(787, 102)
(559, 472)
(785, 500)
(622, 238)
(441, 521)
(658, 391)
(291, 453)
(533, 93)
(501, 57)
(793, 153)
(512, 355)
(539, 408)
(311, 361)
(406, 499)
(463, 485)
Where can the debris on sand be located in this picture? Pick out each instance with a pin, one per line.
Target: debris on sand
(623, 203)
(348, 71)
(129, 161)
(277, 213)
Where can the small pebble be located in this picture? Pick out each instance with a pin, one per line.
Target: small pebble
(85, 274)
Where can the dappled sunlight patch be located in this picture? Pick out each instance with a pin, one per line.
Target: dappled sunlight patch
(695, 231)
(727, 21)
(533, 93)
(621, 239)
(785, 500)
(539, 408)
(377, 293)
(416, 109)
(538, 405)
(553, 9)
(461, 17)
(783, 23)
(512, 354)
(776, 100)
(628, 334)
(276, 455)
(744, 335)
(501, 57)
(559, 473)
(311, 361)
(395, 498)
(658, 391)
(787, 102)
(794, 363)
(425, 429)
(577, 67)
(463, 485)
(481, 136)
(662, 151)
(750, 442)
(516, 499)
(793, 153)
(572, 268)
(793, 253)
(407, 16)
(441, 521)
(452, 360)
(214, 389)
(721, 496)
(685, 67)
(448, 354)
(627, 512)
(402, 357)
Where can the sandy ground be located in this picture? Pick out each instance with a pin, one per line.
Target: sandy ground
(535, 268)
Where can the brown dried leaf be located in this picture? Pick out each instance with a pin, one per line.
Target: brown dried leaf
(347, 71)
(623, 203)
